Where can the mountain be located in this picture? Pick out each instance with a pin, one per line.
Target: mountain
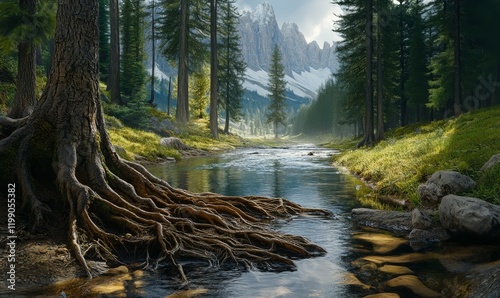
(307, 66)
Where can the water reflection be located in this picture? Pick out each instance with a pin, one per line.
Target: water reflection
(290, 173)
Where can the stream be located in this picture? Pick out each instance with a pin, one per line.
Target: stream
(358, 262)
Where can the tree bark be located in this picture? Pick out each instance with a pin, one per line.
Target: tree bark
(182, 113)
(25, 97)
(116, 210)
(404, 116)
(369, 137)
(214, 117)
(113, 83)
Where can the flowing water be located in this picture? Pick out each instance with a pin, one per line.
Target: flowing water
(302, 174)
(358, 261)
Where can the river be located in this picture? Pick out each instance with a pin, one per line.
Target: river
(302, 174)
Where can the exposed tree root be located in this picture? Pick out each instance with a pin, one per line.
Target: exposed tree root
(127, 215)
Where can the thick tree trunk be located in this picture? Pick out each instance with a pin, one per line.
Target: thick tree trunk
(25, 97)
(113, 83)
(182, 113)
(214, 115)
(119, 212)
(153, 53)
(402, 81)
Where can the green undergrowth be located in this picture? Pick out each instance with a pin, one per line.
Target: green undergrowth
(409, 155)
(133, 142)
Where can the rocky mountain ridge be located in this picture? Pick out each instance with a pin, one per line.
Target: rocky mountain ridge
(259, 32)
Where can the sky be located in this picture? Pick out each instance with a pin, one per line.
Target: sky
(314, 17)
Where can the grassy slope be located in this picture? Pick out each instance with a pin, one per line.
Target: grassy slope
(147, 144)
(410, 154)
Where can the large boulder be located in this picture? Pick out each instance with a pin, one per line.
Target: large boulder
(465, 218)
(174, 143)
(443, 183)
(493, 161)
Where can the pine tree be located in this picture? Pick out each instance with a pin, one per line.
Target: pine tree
(23, 25)
(231, 65)
(184, 28)
(133, 71)
(214, 101)
(199, 86)
(104, 35)
(277, 87)
(417, 87)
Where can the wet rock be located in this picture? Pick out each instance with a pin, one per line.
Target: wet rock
(188, 293)
(394, 221)
(352, 280)
(412, 283)
(383, 295)
(465, 218)
(421, 239)
(395, 270)
(443, 183)
(382, 243)
(494, 160)
(420, 220)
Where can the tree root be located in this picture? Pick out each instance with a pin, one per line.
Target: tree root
(127, 215)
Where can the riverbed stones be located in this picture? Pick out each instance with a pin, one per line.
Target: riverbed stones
(414, 284)
(465, 218)
(394, 221)
(381, 243)
(395, 270)
(443, 183)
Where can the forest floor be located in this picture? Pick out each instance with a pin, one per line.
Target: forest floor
(409, 155)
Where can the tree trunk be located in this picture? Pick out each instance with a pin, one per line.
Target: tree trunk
(369, 137)
(25, 97)
(153, 53)
(457, 107)
(182, 113)
(404, 117)
(113, 83)
(214, 125)
(63, 162)
(380, 92)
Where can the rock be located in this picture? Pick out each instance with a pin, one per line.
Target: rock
(174, 143)
(395, 270)
(383, 295)
(465, 217)
(395, 221)
(381, 243)
(420, 220)
(494, 160)
(412, 283)
(421, 239)
(443, 183)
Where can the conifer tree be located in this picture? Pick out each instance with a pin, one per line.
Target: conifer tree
(104, 35)
(133, 71)
(23, 25)
(231, 65)
(184, 28)
(199, 86)
(277, 87)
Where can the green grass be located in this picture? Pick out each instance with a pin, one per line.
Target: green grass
(409, 155)
(137, 142)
